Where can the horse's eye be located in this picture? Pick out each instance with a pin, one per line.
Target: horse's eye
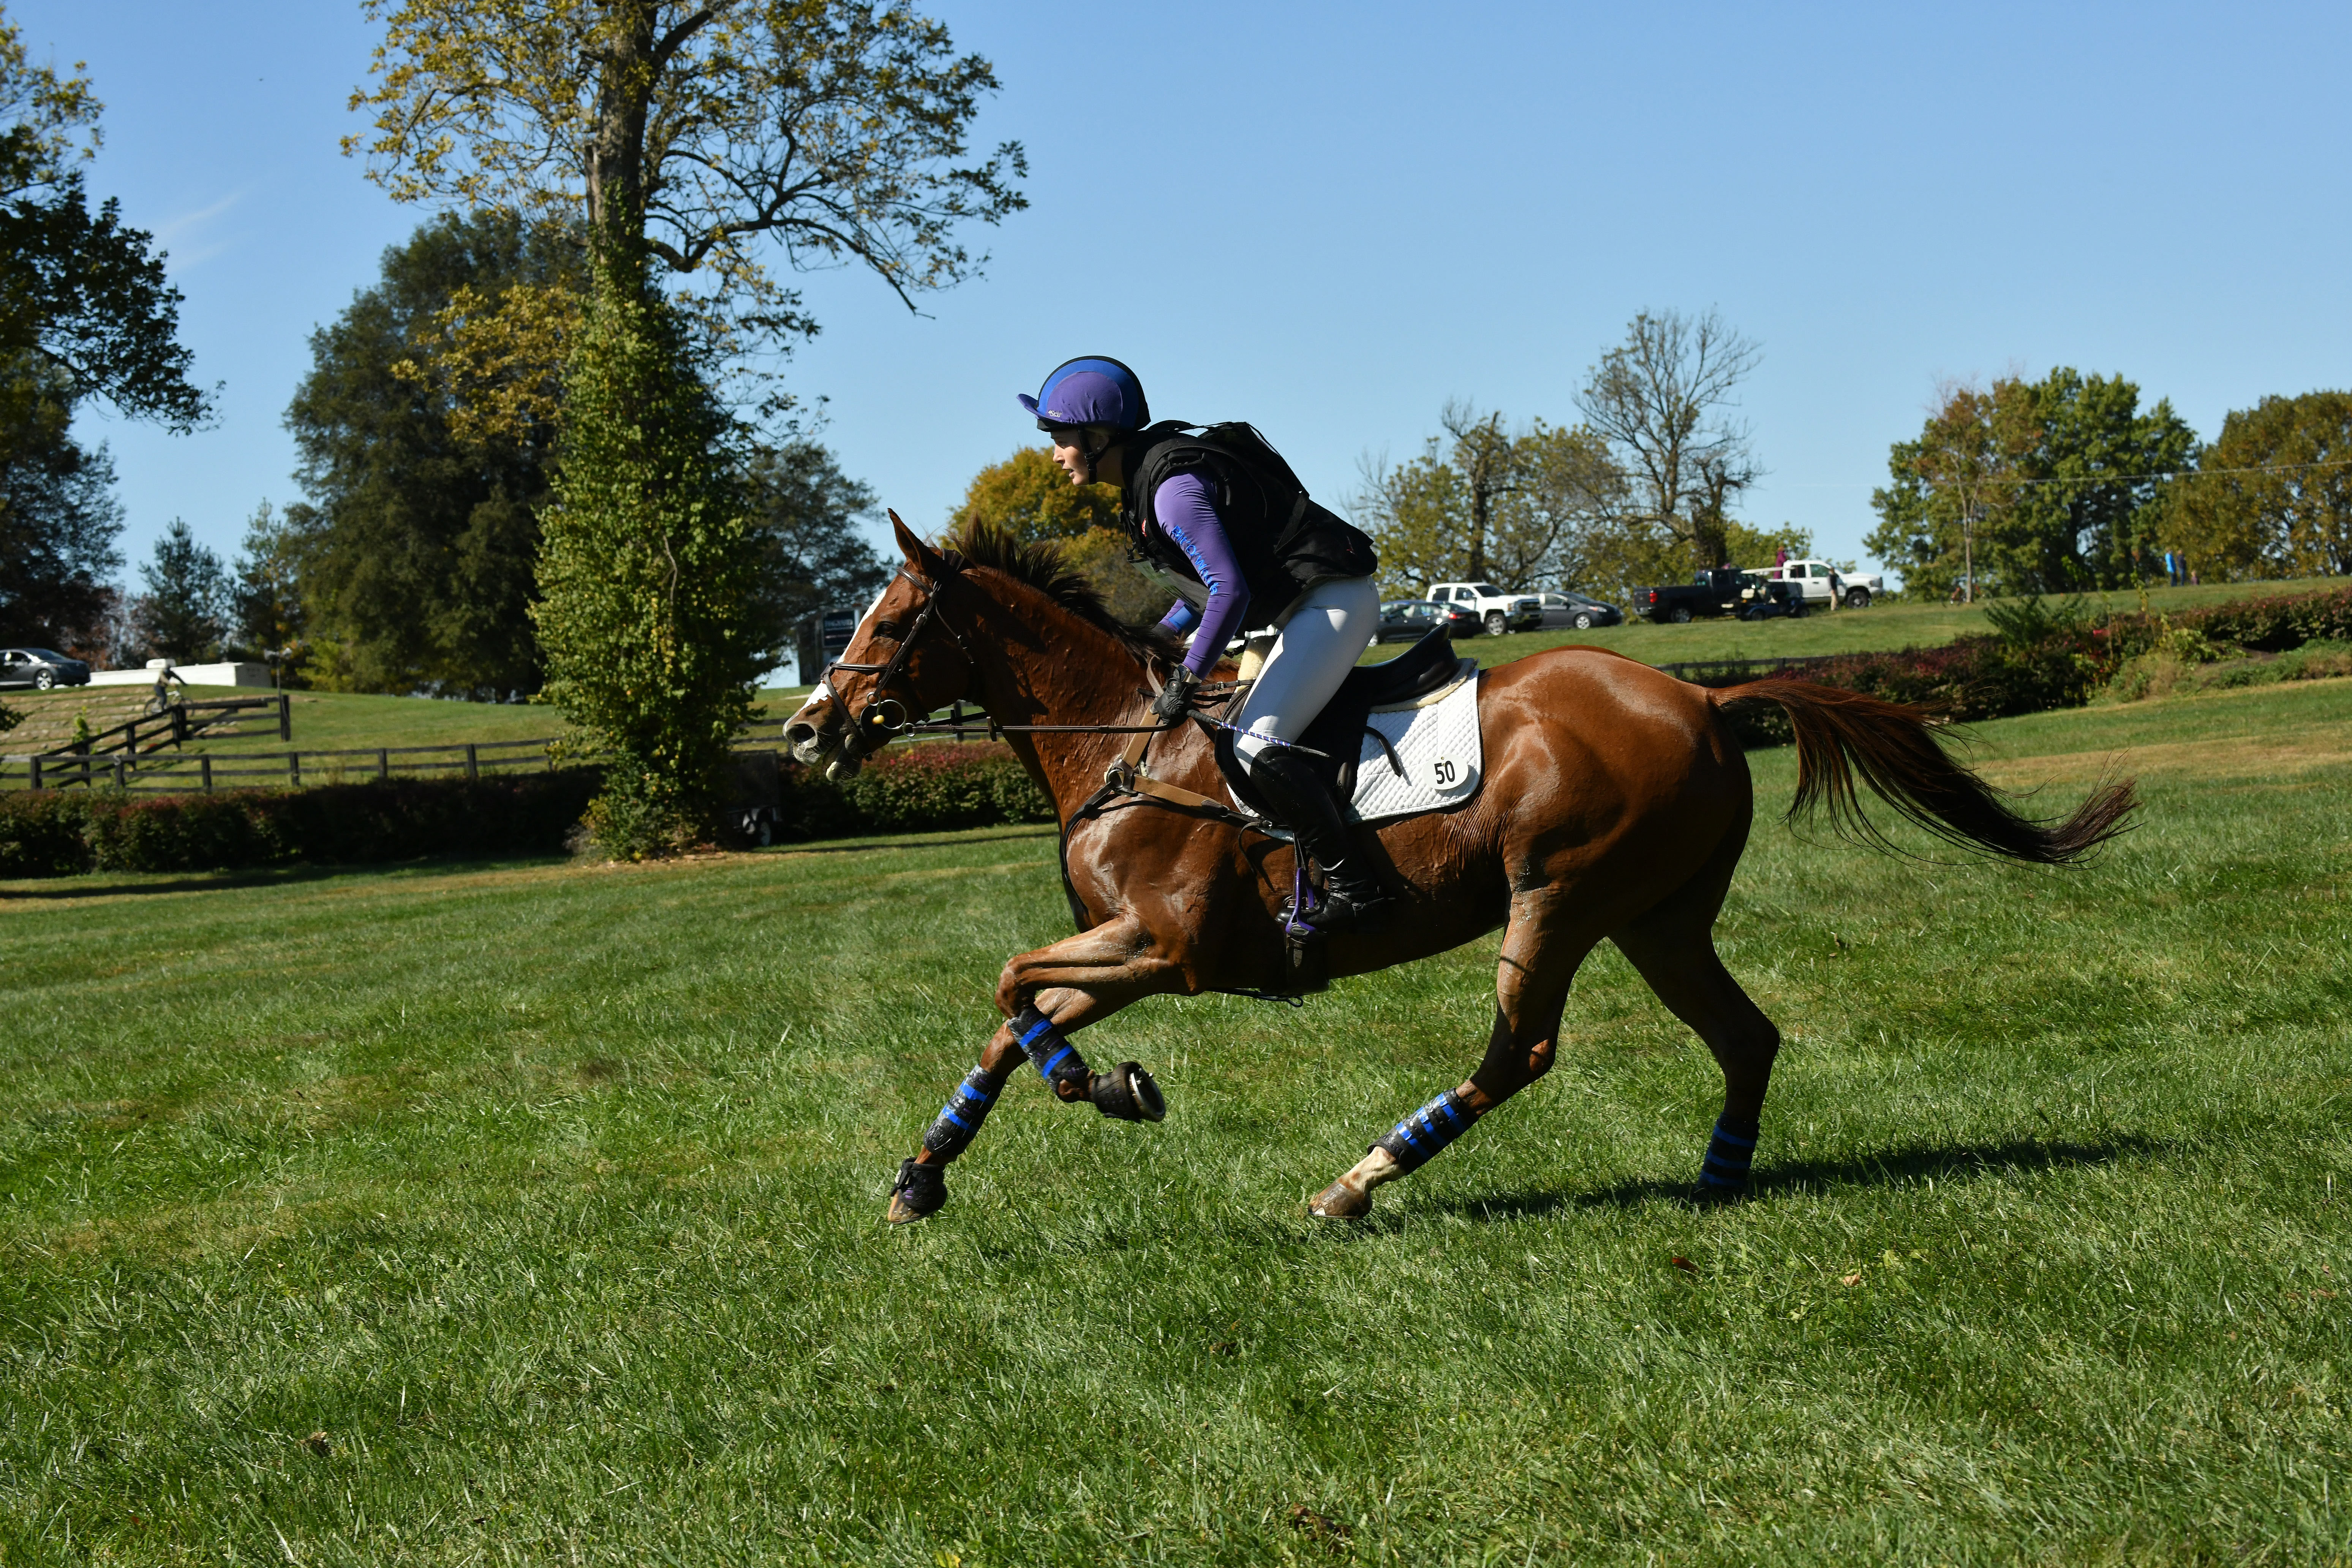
(886, 629)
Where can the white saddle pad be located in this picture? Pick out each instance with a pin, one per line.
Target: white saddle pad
(1437, 745)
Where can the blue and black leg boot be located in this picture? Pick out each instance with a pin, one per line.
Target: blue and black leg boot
(1126, 1092)
(1420, 1137)
(1723, 1176)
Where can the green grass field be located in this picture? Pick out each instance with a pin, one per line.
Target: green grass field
(551, 1196)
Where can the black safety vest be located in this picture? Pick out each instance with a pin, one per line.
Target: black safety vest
(1284, 541)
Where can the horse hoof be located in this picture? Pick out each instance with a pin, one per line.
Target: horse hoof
(1340, 1200)
(1128, 1093)
(920, 1192)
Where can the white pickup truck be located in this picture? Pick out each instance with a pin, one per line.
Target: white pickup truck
(1496, 611)
(1817, 579)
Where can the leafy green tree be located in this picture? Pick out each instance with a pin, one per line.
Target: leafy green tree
(85, 314)
(647, 573)
(682, 138)
(58, 524)
(414, 551)
(2053, 486)
(802, 513)
(183, 614)
(2273, 497)
(1528, 510)
(1029, 496)
(266, 612)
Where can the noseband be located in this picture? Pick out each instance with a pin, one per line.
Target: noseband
(873, 728)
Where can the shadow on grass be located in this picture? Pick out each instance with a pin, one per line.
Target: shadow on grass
(1884, 1168)
(949, 838)
(88, 886)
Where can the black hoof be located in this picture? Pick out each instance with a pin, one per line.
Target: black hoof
(920, 1192)
(1711, 1195)
(1128, 1092)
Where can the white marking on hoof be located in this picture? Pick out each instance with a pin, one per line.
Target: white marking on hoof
(1350, 1197)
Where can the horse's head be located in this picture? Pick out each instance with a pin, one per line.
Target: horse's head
(902, 662)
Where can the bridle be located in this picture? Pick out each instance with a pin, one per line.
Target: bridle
(871, 720)
(874, 728)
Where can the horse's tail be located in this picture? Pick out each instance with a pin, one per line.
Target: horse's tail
(1899, 756)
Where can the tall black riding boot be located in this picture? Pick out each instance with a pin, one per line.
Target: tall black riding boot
(1354, 900)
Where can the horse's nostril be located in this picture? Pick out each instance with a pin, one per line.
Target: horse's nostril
(799, 734)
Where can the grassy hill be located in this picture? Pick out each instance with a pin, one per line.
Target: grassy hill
(549, 1198)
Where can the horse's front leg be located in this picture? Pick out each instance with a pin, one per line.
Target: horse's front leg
(1047, 996)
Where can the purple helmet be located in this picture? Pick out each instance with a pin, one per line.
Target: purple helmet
(1090, 391)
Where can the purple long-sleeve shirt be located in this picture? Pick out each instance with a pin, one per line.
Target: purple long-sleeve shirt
(1186, 513)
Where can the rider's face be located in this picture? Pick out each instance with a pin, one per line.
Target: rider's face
(1068, 452)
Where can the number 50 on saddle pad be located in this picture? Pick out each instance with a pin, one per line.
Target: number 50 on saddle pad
(1421, 756)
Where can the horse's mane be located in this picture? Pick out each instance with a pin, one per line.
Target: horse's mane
(1040, 563)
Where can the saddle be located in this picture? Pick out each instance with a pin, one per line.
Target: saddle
(1338, 732)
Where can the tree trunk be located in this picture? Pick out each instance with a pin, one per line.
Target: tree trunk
(616, 149)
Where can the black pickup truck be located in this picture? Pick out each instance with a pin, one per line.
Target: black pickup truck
(1725, 592)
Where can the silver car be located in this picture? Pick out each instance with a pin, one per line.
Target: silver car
(40, 668)
(1572, 609)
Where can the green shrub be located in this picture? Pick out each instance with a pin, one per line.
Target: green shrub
(914, 789)
(54, 833)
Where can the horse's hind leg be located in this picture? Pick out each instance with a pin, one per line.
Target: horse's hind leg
(1673, 946)
(1543, 945)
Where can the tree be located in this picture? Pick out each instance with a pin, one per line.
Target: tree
(647, 574)
(265, 601)
(2090, 476)
(1029, 497)
(416, 548)
(2273, 497)
(803, 514)
(1527, 510)
(678, 138)
(58, 523)
(1659, 400)
(2053, 486)
(84, 314)
(182, 615)
(832, 127)
(1946, 484)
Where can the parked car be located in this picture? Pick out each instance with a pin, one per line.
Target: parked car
(1579, 611)
(1823, 583)
(40, 668)
(1726, 590)
(1409, 620)
(1496, 611)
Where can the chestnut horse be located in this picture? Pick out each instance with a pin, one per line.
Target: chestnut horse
(1615, 805)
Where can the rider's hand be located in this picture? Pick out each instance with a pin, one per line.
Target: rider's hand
(1175, 699)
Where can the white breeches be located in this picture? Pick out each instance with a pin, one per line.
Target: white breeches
(1316, 650)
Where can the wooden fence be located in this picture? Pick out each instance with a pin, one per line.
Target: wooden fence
(184, 773)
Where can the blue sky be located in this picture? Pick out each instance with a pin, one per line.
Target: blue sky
(1330, 219)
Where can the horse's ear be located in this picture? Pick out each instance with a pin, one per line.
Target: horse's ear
(919, 555)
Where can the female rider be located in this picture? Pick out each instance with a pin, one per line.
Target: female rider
(1247, 549)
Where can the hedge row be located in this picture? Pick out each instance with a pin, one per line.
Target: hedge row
(2050, 660)
(914, 789)
(54, 832)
